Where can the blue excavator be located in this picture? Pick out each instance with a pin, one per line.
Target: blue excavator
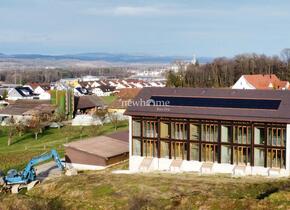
(15, 180)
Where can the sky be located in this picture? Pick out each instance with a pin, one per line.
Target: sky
(210, 28)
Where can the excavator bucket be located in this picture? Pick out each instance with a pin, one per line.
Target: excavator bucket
(32, 184)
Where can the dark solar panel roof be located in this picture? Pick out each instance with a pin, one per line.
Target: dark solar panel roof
(218, 102)
(215, 104)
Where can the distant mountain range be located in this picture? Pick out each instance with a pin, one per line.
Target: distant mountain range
(108, 57)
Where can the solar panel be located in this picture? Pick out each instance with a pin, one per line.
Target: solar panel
(218, 102)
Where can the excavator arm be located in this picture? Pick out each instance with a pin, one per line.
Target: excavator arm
(28, 174)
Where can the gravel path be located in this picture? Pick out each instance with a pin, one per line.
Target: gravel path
(47, 170)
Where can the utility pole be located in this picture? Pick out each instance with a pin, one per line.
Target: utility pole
(15, 77)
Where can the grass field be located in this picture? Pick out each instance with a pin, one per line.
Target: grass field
(25, 147)
(104, 190)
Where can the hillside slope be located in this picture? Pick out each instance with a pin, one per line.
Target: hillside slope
(104, 190)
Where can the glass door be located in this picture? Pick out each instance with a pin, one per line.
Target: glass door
(178, 150)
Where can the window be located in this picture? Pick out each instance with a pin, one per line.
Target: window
(209, 152)
(194, 151)
(164, 149)
(242, 134)
(150, 129)
(179, 150)
(259, 135)
(164, 130)
(194, 132)
(259, 154)
(226, 152)
(179, 130)
(242, 155)
(225, 133)
(136, 128)
(276, 136)
(136, 147)
(209, 132)
(150, 148)
(276, 158)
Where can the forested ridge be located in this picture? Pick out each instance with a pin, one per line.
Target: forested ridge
(224, 72)
(52, 75)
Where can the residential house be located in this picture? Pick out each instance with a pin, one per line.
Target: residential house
(21, 93)
(89, 78)
(95, 84)
(103, 90)
(238, 132)
(71, 82)
(25, 109)
(80, 91)
(41, 88)
(44, 96)
(124, 98)
(261, 81)
(86, 107)
(88, 104)
(97, 153)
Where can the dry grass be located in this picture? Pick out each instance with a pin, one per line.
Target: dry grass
(104, 190)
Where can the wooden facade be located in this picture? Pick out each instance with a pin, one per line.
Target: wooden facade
(233, 142)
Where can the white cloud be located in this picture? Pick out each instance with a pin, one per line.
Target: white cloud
(136, 11)
(148, 11)
(14, 37)
(124, 11)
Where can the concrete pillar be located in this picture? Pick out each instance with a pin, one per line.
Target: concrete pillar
(288, 150)
(130, 142)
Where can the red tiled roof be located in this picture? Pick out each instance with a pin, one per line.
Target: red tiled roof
(260, 81)
(128, 93)
(36, 84)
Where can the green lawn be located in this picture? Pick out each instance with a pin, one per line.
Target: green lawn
(104, 190)
(25, 147)
(109, 99)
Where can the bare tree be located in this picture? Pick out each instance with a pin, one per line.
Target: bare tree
(114, 119)
(81, 131)
(285, 54)
(4, 94)
(101, 114)
(67, 131)
(35, 125)
(224, 72)
(57, 117)
(20, 128)
(11, 130)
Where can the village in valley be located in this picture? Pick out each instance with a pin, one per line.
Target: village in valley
(91, 125)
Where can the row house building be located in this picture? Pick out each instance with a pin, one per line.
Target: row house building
(238, 132)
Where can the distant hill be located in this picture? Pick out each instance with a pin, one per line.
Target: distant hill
(109, 57)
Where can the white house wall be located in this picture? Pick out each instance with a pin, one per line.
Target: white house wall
(44, 96)
(242, 83)
(288, 149)
(14, 95)
(163, 164)
(39, 90)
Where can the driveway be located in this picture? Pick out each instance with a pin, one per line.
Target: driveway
(47, 170)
